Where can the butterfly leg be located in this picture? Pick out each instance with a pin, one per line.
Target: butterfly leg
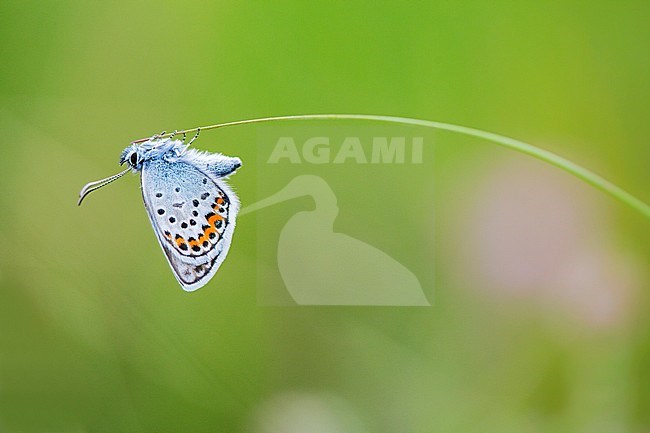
(198, 131)
(171, 137)
(157, 136)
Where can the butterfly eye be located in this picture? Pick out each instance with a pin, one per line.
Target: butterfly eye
(134, 159)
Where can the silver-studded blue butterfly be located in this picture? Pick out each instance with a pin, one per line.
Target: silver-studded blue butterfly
(190, 206)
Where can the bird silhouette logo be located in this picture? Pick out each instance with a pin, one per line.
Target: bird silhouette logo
(322, 267)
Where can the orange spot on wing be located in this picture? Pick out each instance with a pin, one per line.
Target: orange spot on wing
(208, 231)
(214, 218)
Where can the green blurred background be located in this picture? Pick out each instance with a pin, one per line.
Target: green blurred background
(539, 283)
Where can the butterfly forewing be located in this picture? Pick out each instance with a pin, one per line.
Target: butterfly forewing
(193, 214)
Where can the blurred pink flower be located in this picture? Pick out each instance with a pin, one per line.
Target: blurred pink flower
(532, 232)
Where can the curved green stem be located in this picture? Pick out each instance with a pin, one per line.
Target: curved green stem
(528, 149)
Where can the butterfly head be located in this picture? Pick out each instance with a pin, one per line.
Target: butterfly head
(136, 154)
(133, 155)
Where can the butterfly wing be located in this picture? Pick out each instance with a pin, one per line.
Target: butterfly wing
(193, 213)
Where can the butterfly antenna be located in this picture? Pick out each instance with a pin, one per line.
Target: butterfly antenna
(93, 186)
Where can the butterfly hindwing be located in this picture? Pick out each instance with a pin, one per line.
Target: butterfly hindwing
(193, 213)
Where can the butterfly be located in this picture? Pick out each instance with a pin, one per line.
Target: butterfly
(190, 206)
